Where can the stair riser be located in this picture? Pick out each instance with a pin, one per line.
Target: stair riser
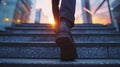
(59, 65)
(51, 32)
(54, 52)
(53, 27)
(38, 25)
(52, 38)
(77, 30)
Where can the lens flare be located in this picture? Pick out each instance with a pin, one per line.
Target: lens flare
(51, 21)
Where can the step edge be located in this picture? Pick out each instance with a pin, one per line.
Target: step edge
(74, 34)
(57, 61)
(53, 44)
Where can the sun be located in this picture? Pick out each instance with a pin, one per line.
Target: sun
(51, 20)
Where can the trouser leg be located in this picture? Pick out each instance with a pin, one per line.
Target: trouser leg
(63, 36)
(67, 11)
(55, 9)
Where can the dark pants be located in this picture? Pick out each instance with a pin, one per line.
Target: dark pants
(66, 11)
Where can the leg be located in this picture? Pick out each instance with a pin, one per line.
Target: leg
(67, 11)
(64, 37)
(55, 9)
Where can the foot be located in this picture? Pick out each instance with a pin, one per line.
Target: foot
(66, 43)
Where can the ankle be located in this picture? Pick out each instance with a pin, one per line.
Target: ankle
(66, 22)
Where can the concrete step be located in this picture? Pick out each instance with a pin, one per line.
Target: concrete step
(53, 44)
(31, 24)
(51, 37)
(53, 26)
(51, 31)
(6, 62)
(74, 28)
(47, 50)
(76, 25)
(1, 31)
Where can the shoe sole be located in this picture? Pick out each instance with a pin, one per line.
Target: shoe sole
(67, 47)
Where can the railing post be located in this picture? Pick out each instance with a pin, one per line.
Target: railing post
(111, 17)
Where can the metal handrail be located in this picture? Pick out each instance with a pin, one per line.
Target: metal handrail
(99, 6)
(111, 18)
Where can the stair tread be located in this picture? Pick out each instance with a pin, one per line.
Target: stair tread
(50, 33)
(57, 61)
(17, 32)
(53, 44)
(51, 25)
(30, 39)
(52, 28)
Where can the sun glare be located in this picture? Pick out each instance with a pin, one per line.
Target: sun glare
(51, 21)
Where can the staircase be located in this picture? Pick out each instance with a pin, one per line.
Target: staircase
(32, 45)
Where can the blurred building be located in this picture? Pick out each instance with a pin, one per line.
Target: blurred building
(14, 11)
(116, 11)
(87, 18)
(44, 18)
(0, 1)
(40, 17)
(7, 8)
(22, 11)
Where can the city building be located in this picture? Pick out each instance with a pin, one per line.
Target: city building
(0, 1)
(14, 11)
(40, 17)
(7, 8)
(22, 11)
(87, 18)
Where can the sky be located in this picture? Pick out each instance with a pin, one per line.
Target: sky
(46, 7)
